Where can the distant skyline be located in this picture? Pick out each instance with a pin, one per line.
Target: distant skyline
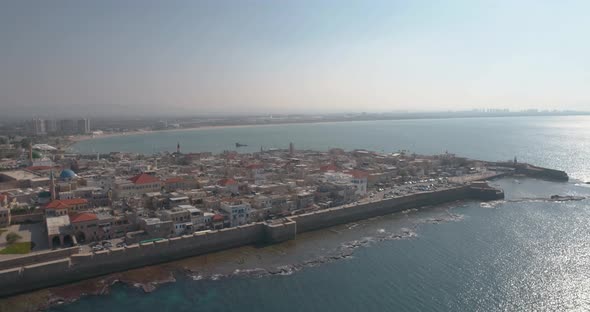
(146, 58)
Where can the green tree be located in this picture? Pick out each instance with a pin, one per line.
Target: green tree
(3, 140)
(24, 143)
(12, 238)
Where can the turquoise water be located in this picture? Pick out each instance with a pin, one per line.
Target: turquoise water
(514, 255)
(557, 142)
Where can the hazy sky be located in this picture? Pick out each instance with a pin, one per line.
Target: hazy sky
(192, 57)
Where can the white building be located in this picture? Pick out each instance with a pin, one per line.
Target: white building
(239, 212)
(256, 173)
(196, 216)
(359, 179)
(138, 185)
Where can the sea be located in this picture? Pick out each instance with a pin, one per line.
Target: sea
(524, 253)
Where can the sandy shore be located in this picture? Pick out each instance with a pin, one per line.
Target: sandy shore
(80, 138)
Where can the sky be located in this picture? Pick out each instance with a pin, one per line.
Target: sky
(145, 57)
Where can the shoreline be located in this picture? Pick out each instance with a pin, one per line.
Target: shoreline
(82, 266)
(77, 139)
(209, 267)
(275, 260)
(81, 138)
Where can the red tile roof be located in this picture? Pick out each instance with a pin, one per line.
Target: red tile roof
(328, 168)
(65, 203)
(174, 180)
(218, 217)
(56, 204)
(226, 182)
(74, 201)
(143, 178)
(82, 217)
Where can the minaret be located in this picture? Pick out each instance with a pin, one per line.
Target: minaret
(291, 148)
(52, 185)
(178, 148)
(31, 153)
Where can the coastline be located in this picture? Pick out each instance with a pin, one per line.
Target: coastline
(81, 266)
(250, 261)
(312, 249)
(80, 138)
(75, 139)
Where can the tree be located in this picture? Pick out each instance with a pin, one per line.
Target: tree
(25, 143)
(12, 238)
(3, 140)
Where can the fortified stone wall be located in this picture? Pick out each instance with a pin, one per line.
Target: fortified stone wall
(85, 265)
(276, 233)
(28, 218)
(339, 215)
(38, 257)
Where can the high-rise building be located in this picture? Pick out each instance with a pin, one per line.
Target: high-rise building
(38, 127)
(50, 126)
(84, 126)
(68, 126)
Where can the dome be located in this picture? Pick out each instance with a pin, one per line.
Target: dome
(36, 155)
(44, 194)
(67, 174)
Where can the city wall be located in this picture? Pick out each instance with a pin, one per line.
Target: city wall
(78, 266)
(27, 218)
(38, 257)
(339, 215)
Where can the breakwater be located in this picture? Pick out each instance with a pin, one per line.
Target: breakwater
(533, 171)
(77, 266)
(542, 173)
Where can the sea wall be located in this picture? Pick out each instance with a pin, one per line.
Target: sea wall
(350, 213)
(542, 173)
(38, 257)
(284, 231)
(86, 265)
(533, 171)
(77, 266)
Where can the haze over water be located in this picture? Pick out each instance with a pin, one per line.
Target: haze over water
(555, 142)
(514, 255)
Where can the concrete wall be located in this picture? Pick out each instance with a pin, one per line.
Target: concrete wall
(276, 233)
(34, 217)
(339, 215)
(38, 257)
(85, 265)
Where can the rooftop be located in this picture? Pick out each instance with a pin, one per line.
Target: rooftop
(19, 175)
(83, 217)
(65, 203)
(144, 178)
(55, 224)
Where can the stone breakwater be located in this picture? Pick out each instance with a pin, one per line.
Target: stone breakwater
(533, 171)
(30, 275)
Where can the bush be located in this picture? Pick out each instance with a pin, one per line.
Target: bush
(12, 237)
